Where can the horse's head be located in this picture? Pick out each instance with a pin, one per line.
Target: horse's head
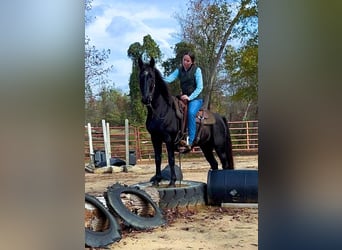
(147, 80)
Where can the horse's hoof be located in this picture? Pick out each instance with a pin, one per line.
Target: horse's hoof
(155, 184)
(171, 184)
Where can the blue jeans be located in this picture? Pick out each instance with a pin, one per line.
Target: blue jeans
(193, 108)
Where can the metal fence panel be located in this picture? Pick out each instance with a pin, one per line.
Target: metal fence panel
(244, 136)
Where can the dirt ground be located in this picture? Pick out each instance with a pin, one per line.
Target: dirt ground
(207, 227)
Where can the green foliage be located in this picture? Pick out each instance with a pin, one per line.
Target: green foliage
(137, 115)
(134, 51)
(150, 49)
(111, 105)
(114, 106)
(210, 25)
(242, 65)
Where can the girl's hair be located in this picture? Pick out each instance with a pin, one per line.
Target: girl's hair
(191, 55)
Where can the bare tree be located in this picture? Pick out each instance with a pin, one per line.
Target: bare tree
(210, 25)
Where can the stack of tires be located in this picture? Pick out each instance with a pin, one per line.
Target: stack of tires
(185, 194)
(110, 230)
(223, 186)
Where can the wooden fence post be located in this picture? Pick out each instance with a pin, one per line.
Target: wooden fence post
(127, 141)
(247, 134)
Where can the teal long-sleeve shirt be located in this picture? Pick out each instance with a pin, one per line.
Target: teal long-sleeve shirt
(198, 77)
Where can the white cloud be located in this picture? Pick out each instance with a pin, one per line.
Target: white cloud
(122, 72)
(118, 24)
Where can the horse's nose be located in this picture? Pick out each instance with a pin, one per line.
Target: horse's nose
(145, 100)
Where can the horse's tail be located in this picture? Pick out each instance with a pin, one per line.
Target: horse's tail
(229, 148)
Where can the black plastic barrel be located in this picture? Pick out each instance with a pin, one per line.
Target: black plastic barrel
(132, 158)
(232, 186)
(100, 158)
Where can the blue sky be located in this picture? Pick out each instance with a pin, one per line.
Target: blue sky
(119, 23)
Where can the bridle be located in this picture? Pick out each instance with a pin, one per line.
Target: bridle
(148, 88)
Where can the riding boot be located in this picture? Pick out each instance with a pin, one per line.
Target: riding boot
(186, 147)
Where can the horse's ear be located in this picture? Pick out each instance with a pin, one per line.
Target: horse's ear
(140, 62)
(152, 62)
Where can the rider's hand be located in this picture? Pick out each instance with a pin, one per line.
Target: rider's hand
(185, 98)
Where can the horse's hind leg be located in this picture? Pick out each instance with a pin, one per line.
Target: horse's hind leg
(222, 143)
(221, 153)
(208, 154)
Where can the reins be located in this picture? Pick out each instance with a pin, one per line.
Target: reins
(180, 167)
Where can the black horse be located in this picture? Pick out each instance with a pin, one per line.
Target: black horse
(163, 124)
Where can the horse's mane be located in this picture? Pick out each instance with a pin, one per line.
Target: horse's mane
(163, 87)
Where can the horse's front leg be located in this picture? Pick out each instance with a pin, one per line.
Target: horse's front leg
(157, 146)
(171, 161)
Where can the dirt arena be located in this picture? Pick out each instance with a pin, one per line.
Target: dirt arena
(207, 227)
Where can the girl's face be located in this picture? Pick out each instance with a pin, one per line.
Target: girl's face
(187, 62)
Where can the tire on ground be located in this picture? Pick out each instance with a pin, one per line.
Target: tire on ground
(114, 202)
(104, 237)
(190, 193)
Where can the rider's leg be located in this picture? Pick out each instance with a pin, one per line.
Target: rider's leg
(193, 108)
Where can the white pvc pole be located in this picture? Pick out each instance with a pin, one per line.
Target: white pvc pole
(104, 134)
(104, 130)
(91, 150)
(108, 141)
(240, 205)
(127, 141)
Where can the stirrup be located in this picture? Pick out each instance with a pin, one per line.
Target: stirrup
(182, 143)
(185, 149)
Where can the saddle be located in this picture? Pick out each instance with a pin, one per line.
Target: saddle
(203, 117)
